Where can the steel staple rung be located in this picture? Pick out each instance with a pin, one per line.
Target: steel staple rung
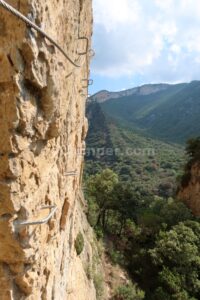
(87, 45)
(89, 82)
(16, 13)
(86, 95)
(91, 53)
(71, 174)
(42, 221)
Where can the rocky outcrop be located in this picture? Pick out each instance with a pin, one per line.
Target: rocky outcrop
(146, 89)
(189, 193)
(43, 128)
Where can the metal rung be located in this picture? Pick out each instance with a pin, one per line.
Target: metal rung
(89, 82)
(86, 95)
(42, 221)
(87, 45)
(72, 173)
(91, 53)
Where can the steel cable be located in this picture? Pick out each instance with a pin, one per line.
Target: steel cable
(42, 221)
(16, 13)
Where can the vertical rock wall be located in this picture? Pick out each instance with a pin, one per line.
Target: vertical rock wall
(42, 129)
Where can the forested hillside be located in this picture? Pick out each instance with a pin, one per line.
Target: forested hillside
(148, 163)
(171, 114)
(131, 181)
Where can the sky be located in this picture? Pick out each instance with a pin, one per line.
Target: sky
(145, 41)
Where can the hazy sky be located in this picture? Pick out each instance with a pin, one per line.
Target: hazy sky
(145, 41)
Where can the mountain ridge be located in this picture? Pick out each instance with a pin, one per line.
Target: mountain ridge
(145, 89)
(167, 112)
(105, 95)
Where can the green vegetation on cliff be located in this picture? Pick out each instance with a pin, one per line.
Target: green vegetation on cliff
(130, 184)
(155, 239)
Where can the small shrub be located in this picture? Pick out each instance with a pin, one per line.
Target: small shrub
(79, 243)
(128, 292)
(116, 256)
(100, 248)
(99, 233)
(89, 271)
(99, 286)
(92, 214)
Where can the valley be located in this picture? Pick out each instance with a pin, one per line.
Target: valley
(167, 112)
(148, 163)
(137, 165)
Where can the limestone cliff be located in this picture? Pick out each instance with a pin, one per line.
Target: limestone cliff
(190, 192)
(43, 128)
(143, 90)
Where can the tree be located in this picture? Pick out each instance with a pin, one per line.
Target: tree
(166, 189)
(175, 211)
(193, 149)
(177, 254)
(111, 202)
(99, 189)
(125, 203)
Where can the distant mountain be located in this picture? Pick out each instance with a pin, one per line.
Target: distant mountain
(167, 112)
(147, 89)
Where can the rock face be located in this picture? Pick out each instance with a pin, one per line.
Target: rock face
(42, 130)
(190, 194)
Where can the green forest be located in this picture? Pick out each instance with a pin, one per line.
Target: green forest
(133, 208)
